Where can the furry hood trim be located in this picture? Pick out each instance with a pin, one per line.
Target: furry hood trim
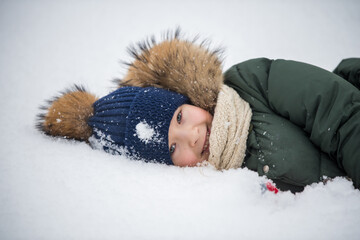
(66, 115)
(179, 65)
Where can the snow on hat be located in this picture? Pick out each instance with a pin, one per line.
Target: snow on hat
(135, 121)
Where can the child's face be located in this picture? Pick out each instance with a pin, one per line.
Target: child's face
(189, 133)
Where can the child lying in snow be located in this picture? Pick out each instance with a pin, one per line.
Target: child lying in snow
(293, 122)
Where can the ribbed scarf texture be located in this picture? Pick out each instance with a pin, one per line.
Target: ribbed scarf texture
(229, 130)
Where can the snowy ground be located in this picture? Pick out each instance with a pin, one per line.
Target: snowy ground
(58, 189)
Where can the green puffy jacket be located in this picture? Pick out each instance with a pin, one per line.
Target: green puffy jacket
(305, 123)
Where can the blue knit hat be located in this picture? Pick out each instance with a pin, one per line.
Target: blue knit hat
(135, 121)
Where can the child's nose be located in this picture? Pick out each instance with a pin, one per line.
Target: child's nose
(193, 136)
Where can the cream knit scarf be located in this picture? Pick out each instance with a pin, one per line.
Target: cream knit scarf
(229, 130)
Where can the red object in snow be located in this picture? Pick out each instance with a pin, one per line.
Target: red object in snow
(271, 187)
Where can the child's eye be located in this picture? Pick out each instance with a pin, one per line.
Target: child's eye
(172, 148)
(179, 117)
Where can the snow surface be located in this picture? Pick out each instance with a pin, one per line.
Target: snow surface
(58, 189)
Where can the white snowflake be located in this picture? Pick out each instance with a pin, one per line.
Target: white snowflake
(146, 133)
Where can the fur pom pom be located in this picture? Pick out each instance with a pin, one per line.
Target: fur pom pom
(67, 114)
(178, 65)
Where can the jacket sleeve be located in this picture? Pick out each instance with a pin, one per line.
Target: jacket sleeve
(349, 69)
(324, 105)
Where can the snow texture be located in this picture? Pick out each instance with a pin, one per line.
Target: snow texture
(146, 133)
(104, 142)
(53, 188)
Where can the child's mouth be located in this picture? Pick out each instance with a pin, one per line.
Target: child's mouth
(206, 143)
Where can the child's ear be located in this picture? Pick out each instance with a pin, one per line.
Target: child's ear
(66, 115)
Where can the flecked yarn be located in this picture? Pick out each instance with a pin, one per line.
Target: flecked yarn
(229, 131)
(135, 121)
